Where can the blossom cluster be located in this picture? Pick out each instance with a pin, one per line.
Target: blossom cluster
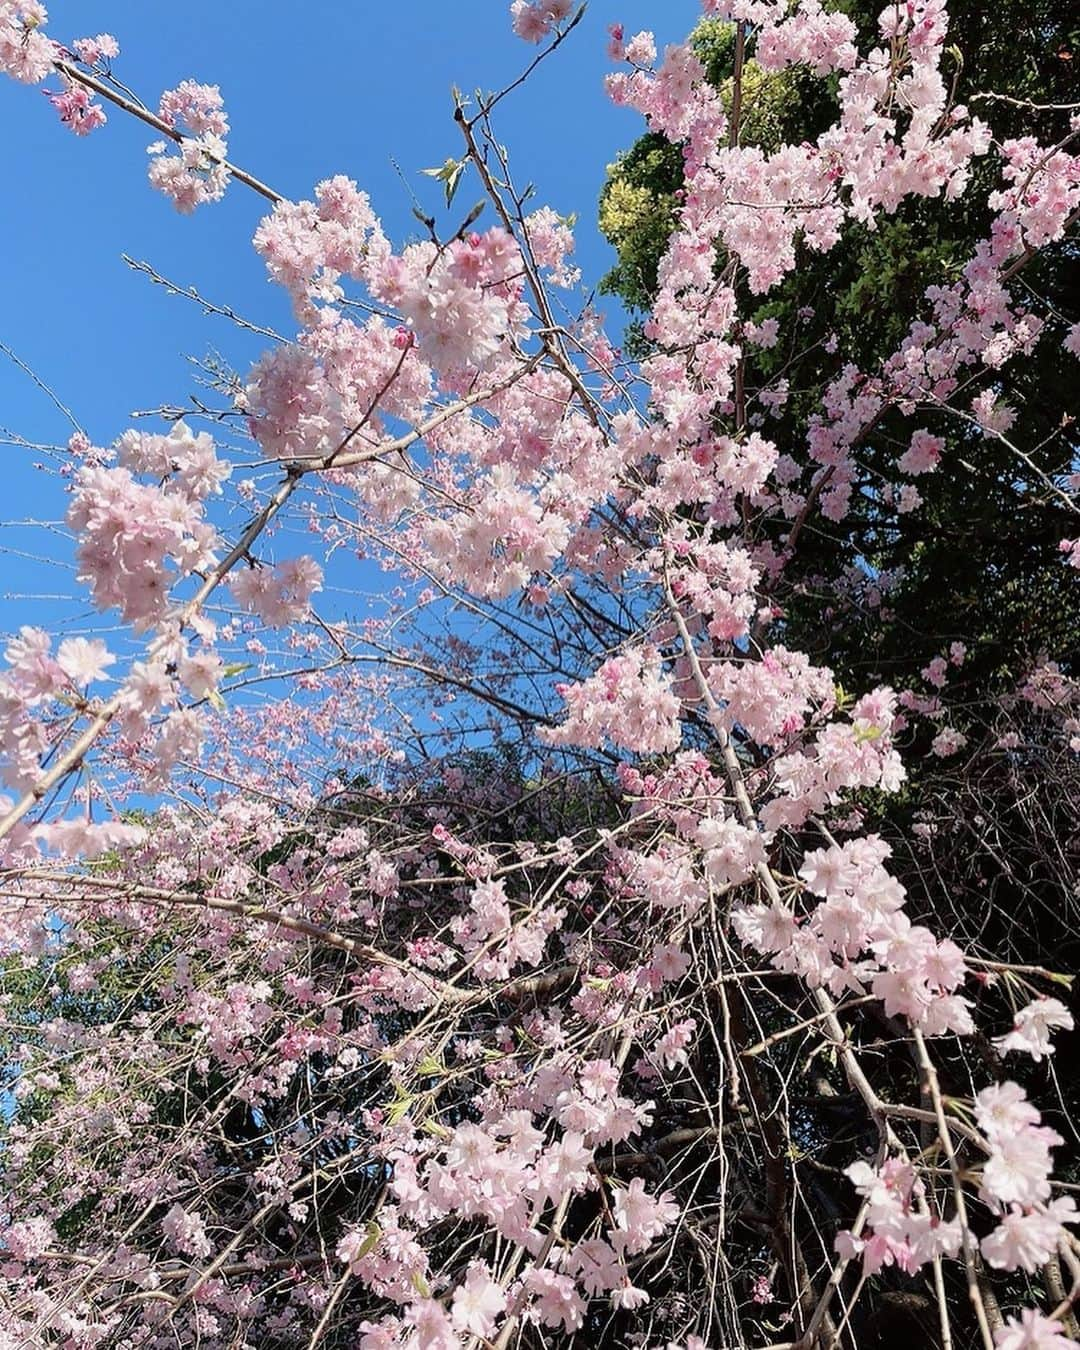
(858, 937)
(534, 20)
(128, 530)
(1015, 1184)
(628, 701)
(199, 171)
(26, 54)
(903, 1231)
(506, 1171)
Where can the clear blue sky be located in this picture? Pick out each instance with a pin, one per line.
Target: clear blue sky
(311, 90)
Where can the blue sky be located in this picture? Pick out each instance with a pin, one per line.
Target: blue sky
(349, 87)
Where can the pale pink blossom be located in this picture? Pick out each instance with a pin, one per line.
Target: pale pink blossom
(1031, 1331)
(84, 660)
(91, 50)
(1032, 1027)
(1027, 1240)
(923, 454)
(477, 1302)
(185, 1231)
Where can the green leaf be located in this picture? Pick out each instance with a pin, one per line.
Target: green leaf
(399, 1107)
(449, 175)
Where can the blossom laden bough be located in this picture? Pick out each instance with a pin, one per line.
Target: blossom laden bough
(455, 990)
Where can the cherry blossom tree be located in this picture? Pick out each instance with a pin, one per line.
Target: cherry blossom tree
(517, 964)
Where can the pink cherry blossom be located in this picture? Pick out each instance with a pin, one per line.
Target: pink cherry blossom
(1032, 1027)
(92, 50)
(477, 1302)
(463, 914)
(1031, 1331)
(83, 661)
